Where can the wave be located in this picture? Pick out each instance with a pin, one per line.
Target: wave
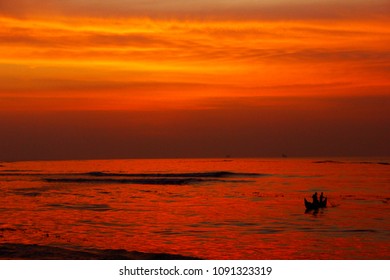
(352, 162)
(216, 174)
(151, 178)
(328, 161)
(90, 207)
(132, 178)
(137, 178)
(44, 252)
(144, 181)
(306, 229)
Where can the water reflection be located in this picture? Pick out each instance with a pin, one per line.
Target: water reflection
(207, 209)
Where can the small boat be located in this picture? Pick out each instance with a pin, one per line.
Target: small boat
(312, 206)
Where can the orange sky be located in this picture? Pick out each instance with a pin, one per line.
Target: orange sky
(200, 61)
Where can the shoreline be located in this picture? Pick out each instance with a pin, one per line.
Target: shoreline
(19, 251)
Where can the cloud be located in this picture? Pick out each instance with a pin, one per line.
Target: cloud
(126, 78)
(145, 63)
(244, 9)
(192, 40)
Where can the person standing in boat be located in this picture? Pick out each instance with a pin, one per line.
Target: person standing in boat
(322, 198)
(315, 199)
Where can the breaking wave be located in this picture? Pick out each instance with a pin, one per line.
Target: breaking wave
(137, 178)
(154, 178)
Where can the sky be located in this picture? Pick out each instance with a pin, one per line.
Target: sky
(153, 79)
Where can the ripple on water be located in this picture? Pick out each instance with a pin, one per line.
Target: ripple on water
(90, 207)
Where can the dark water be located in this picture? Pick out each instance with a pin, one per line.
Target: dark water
(203, 208)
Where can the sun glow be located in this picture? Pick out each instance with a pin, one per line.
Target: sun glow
(244, 74)
(153, 60)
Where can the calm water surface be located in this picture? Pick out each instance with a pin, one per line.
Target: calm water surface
(206, 208)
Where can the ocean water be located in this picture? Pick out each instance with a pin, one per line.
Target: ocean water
(202, 208)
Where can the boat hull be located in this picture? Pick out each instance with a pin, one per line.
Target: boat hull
(312, 206)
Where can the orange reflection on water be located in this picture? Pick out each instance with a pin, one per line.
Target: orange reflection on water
(237, 217)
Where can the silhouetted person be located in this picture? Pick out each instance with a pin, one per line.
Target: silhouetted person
(315, 199)
(322, 197)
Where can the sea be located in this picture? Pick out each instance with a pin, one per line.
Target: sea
(216, 209)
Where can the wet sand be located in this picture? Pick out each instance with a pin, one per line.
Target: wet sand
(16, 251)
